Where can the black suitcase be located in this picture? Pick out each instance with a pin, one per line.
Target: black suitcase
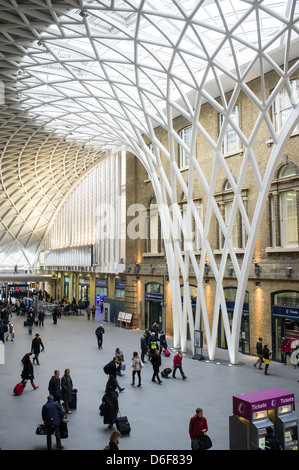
(63, 429)
(123, 425)
(73, 402)
(165, 373)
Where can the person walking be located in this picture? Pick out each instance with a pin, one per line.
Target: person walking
(266, 358)
(259, 351)
(54, 386)
(156, 363)
(120, 359)
(41, 317)
(30, 321)
(66, 390)
(163, 342)
(285, 350)
(36, 346)
(137, 366)
(144, 346)
(99, 334)
(109, 407)
(88, 312)
(52, 415)
(93, 312)
(152, 344)
(27, 372)
(178, 364)
(111, 369)
(10, 332)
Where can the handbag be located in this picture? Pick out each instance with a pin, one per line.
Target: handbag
(41, 430)
(202, 443)
(63, 430)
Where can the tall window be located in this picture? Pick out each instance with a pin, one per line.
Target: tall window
(231, 141)
(283, 208)
(288, 219)
(185, 135)
(282, 106)
(154, 241)
(225, 202)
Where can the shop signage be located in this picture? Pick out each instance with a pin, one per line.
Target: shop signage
(156, 297)
(100, 282)
(285, 311)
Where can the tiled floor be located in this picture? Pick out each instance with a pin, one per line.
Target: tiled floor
(159, 414)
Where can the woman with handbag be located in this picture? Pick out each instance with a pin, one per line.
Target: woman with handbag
(137, 366)
(198, 428)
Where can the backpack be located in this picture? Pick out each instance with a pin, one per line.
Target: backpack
(106, 368)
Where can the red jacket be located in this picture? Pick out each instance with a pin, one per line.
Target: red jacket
(286, 346)
(196, 426)
(177, 360)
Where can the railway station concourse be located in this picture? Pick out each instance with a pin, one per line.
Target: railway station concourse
(149, 168)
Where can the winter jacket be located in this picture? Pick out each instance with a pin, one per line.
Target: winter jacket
(177, 360)
(27, 372)
(196, 426)
(52, 412)
(137, 363)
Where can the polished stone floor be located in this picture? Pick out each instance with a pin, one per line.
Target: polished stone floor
(159, 414)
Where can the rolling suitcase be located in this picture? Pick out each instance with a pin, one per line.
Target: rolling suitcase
(18, 390)
(123, 425)
(165, 372)
(73, 402)
(166, 352)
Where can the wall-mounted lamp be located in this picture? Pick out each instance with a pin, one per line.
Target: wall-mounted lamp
(257, 283)
(257, 268)
(83, 13)
(138, 267)
(152, 268)
(207, 281)
(207, 268)
(129, 269)
(230, 270)
(289, 271)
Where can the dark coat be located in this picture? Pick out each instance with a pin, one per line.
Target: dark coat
(54, 387)
(66, 388)
(109, 407)
(52, 413)
(156, 361)
(36, 345)
(27, 372)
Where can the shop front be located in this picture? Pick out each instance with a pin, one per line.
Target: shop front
(84, 286)
(101, 290)
(154, 301)
(285, 320)
(244, 344)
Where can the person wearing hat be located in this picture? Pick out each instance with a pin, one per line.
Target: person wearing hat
(27, 372)
(36, 346)
(259, 351)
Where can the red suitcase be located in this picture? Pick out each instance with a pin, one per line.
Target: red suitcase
(166, 352)
(18, 390)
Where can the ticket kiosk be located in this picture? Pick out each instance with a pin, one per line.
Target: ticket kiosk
(254, 412)
(286, 426)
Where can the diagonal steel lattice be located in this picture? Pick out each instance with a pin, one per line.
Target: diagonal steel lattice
(105, 75)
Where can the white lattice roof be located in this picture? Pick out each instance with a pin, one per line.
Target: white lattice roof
(81, 77)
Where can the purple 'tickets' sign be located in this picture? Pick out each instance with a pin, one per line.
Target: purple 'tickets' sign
(248, 403)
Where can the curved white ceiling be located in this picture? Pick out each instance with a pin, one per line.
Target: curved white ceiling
(81, 77)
